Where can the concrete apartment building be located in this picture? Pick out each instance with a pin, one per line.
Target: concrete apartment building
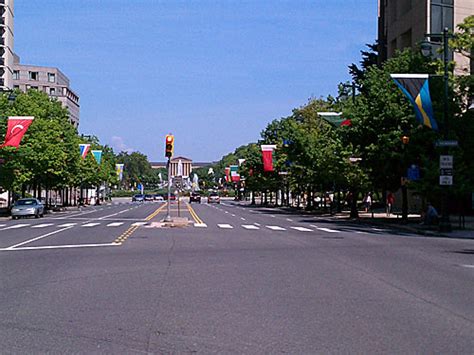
(403, 23)
(49, 80)
(6, 44)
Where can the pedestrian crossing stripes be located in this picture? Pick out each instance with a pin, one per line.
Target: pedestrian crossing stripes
(250, 226)
(42, 225)
(115, 224)
(90, 225)
(276, 228)
(302, 229)
(225, 226)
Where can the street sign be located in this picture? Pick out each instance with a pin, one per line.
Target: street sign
(451, 143)
(446, 180)
(448, 172)
(445, 161)
(413, 173)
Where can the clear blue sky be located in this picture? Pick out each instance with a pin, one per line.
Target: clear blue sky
(213, 73)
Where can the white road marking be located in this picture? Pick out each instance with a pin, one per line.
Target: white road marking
(329, 230)
(302, 229)
(257, 224)
(226, 211)
(42, 225)
(250, 226)
(468, 266)
(16, 226)
(360, 232)
(2, 225)
(90, 224)
(37, 238)
(314, 226)
(114, 224)
(276, 228)
(273, 216)
(67, 225)
(233, 215)
(242, 218)
(289, 220)
(225, 226)
(200, 225)
(63, 246)
(138, 224)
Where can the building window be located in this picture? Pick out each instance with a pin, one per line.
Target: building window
(16, 75)
(442, 15)
(51, 77)
(34, 75)
(16, 86)
(52, 91)
(33, 87)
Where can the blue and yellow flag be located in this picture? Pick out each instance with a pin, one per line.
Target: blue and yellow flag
(416, 89)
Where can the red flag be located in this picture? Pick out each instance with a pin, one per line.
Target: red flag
(17, 127)
(227, 174)
(267, 155)
(347, 122)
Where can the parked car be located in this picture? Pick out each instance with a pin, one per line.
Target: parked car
(213, 198)
(148, 197)
(158, 197)
(25, 207)
(172, 197)
(195, 197)
(138, 198)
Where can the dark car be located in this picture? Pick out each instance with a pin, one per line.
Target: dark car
(172, 197)
(138, 198)
(25, 207)
(213, 198)
(195, 197)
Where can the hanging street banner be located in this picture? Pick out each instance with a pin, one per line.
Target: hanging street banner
(84, 149)
(16, 129)
(119, 171)
(267, 156)
(335, 119)
(97, 155)
(416, 89)
(234, 175)
(227, 174)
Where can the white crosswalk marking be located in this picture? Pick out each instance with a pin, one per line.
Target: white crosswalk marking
(114, 224)
(42, 225)
(250, 226)
(200, 225)
(90, 224)
(329, 230)
(138, 224)
(276, 228)
(225, 226)
(302, 229)
(67, 225)
(2, 225)
(16, 226)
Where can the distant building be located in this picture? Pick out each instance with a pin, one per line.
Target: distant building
(6, 44)
(186, 163)
(49, 80)
(404, 23)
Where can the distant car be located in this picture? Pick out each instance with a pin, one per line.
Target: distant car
(158, 197)
(213, 198)
(148, 197)
(172, 197)
(25, 207)
(195, 197)
(138, 198)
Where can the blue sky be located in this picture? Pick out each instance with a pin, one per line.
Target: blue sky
(213, 73)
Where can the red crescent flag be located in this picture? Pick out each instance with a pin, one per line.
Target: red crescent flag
(17, 127)
(267, 155)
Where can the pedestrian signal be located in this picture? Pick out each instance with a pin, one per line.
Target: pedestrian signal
(169, 146)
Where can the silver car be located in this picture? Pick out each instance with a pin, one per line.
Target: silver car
(27, 207)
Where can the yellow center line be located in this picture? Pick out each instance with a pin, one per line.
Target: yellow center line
(154, 214)
(194, 214)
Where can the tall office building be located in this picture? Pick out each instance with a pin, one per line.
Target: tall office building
(404, 23)
(6, 44)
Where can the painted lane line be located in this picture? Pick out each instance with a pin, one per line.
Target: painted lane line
(87, 225)
(273, 216)
(359, 232)
(115, 224)
(250, 226)
(289, 220)
(225, 226)
(257, 224)
(37, 238)
(276, 228)
(242, 218)
(42, 225)
(226, 212)
(67, 225)
(200, 225)
(314, 226)
(63, 247)
(2, 225)
(233, 215)
(329, 230)
(138, 224)
(302, 229)
(468, 266)
(16, 226)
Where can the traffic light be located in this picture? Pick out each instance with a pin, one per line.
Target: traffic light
(169, 147)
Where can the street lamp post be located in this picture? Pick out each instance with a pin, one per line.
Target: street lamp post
(444, 224)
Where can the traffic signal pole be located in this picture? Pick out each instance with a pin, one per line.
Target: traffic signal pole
(168, 214)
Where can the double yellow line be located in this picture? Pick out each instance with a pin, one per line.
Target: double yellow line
(125, 235)
(194, 214)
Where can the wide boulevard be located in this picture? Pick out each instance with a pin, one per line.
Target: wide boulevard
(236, 279)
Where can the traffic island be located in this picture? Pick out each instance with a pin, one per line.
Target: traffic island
(176, 222)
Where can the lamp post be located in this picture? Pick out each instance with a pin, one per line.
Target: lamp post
(444, 224)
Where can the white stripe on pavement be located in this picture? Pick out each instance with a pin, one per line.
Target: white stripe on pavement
(200, 225)
(42, 225)
(16, 226)
(114, 224)
(138, 224)
(329, 230)
(35, 239)
(90, 224)
(225, 226)
(67, 225)
(276, 228)
(250, 226)
(302, 229)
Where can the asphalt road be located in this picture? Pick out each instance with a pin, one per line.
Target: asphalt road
(236, 280)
